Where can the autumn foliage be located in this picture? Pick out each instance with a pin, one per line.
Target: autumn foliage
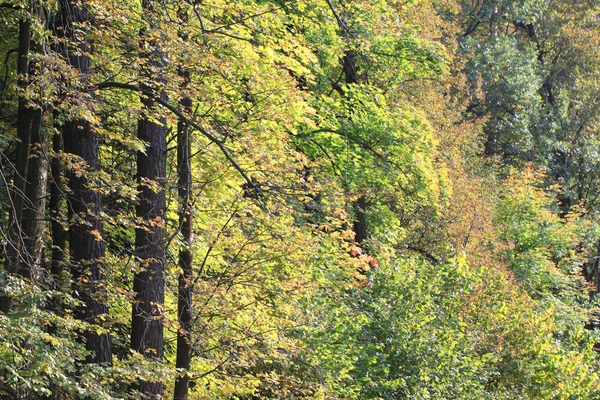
(299, 199)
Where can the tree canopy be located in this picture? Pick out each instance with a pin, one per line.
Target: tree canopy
(299, 199)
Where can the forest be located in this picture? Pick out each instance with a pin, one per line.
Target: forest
(299, 199)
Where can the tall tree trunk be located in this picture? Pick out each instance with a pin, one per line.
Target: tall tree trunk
(350, 71)
(59, 239)
(148, 285)
(24, 121)
(34, 206)
(26, 118)
(184, 298)
(87, 249)
(34, 211)
(147, 323)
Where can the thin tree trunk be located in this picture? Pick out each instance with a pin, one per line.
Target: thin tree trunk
(59, 235)
(34, 206)
(33, 218)
(59, 239)
(147, 324)
(184, 299)
(25, 116)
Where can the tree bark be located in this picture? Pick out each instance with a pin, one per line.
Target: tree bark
(34, 202)
(59, 235)
(360, 205)
(185, 289)
(24, 117)
(27, 117)
(34, 211)
(87, 248)
(147, 323)
(360, 220)
(148, 285)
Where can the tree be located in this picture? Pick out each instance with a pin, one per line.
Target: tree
(20, 259)
(314, 214)
(186, 226)
(85, 202)
(147, 321)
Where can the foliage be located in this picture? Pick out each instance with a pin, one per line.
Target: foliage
(428, 118)
(424, 331)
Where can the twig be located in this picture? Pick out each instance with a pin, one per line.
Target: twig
(180, 115)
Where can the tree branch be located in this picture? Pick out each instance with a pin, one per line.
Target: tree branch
(6, 68)
(180, 115)
(339, 20)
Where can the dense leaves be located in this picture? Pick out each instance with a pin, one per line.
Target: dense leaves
(379, 199)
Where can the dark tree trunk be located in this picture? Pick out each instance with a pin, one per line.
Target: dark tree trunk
(147, 323)
(360, 220)
(148, 285)
(59, 235)
(184, 299)
(491, 146)
(34, 205)
(59, 238)
(87, 248)
(33, 218)
(360, 205)
(26, 117)
(349, 67)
